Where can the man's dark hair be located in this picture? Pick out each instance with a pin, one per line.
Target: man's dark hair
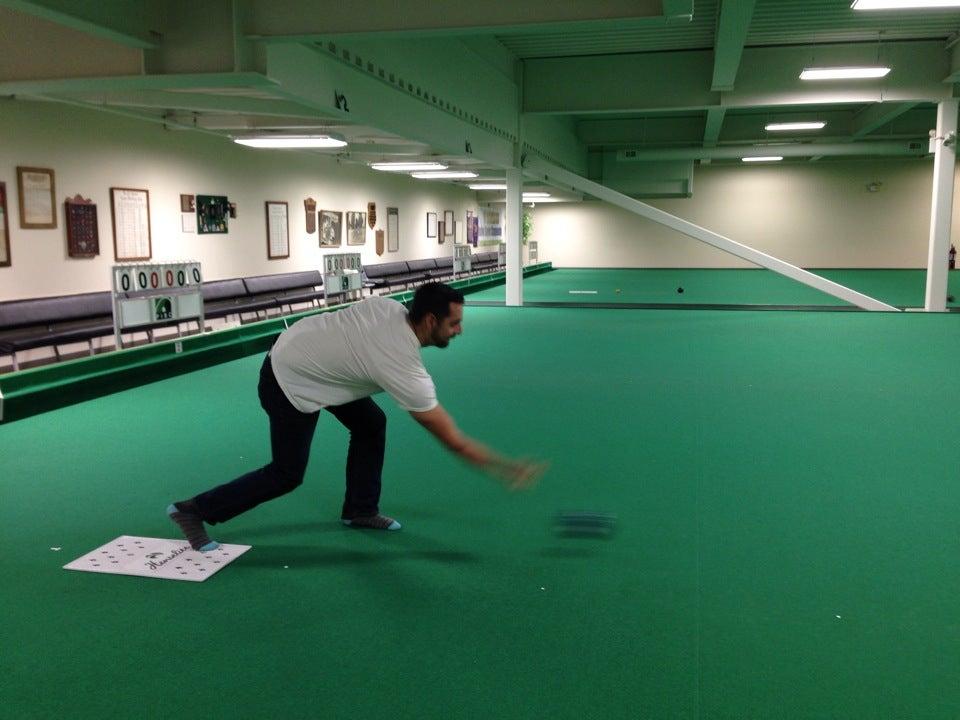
(433, 299)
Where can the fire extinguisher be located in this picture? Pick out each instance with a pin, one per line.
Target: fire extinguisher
(953, 257)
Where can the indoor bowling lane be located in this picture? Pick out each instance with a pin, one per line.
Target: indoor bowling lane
(785, 546)
(701, 286)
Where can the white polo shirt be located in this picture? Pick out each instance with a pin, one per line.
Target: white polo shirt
(337, 357)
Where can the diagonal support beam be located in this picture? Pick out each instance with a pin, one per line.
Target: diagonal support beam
(732, 26)
(878, 115)
(548, 172)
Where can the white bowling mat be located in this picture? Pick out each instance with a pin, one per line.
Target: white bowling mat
(156, 557)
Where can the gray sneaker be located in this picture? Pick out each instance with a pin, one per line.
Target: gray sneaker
(372, 522)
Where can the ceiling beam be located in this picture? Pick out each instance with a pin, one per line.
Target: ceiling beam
(732, 26)
(134, 23)
(320, 79)
(711, 130)
(768, 77)
(913, 148)
(198, 82)
(876, 116)
(195, 102)
(300, 19)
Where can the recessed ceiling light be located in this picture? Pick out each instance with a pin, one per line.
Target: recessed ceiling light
(903, 4)
(407, 166)
(763, 158)
(843, 73)
(488, 186)
(292, 141)
(796, 126)
(535, 195)
(444, 174)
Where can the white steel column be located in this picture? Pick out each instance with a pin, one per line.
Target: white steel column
(550, 173)
(514, 246)
(944, 161)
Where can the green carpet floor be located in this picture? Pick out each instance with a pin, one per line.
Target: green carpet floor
(787, 547)
(901, 288)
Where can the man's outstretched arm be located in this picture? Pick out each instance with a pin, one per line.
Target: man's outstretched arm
(515, 474)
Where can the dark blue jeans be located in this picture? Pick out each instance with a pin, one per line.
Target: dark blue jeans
(291, 433)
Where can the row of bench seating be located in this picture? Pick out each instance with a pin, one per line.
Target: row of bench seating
(55, 321)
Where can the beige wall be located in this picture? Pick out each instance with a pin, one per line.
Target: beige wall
(91, 152)
(813, 215)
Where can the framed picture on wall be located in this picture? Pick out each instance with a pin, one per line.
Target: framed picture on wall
(130, 217)
(212, 213)
(431, 224)
(331, 228)
(393, 229)
(4, 228)
(448, 223)
(356, 228)
(278, 230)
(37, 188)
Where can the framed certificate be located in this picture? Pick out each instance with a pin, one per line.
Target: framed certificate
(448, 223)
(37, 190)
(4, 228)
(431, 225)
(278, 230)
(130, 216)
(83, 235)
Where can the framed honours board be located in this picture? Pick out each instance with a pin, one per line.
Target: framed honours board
(83, 235)
(4, 228)
(393, 229)
(278, 230)
(130, 216)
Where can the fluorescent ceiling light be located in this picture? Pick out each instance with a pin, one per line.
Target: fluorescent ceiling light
(796, 126)
(763, 158)
(445, 174)
(903, 4)
(527, 195)
(488, 186)
(292, 141)
(843, 73)
(407, 166)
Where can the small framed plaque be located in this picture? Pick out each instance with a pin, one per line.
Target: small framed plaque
(448, 222)
(431, 225)
(4, 228)
(310, 208)
(83, 235)
(278, 230)
(37, 206)
(130, 217)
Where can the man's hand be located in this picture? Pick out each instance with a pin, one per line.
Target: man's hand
(516, 474)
